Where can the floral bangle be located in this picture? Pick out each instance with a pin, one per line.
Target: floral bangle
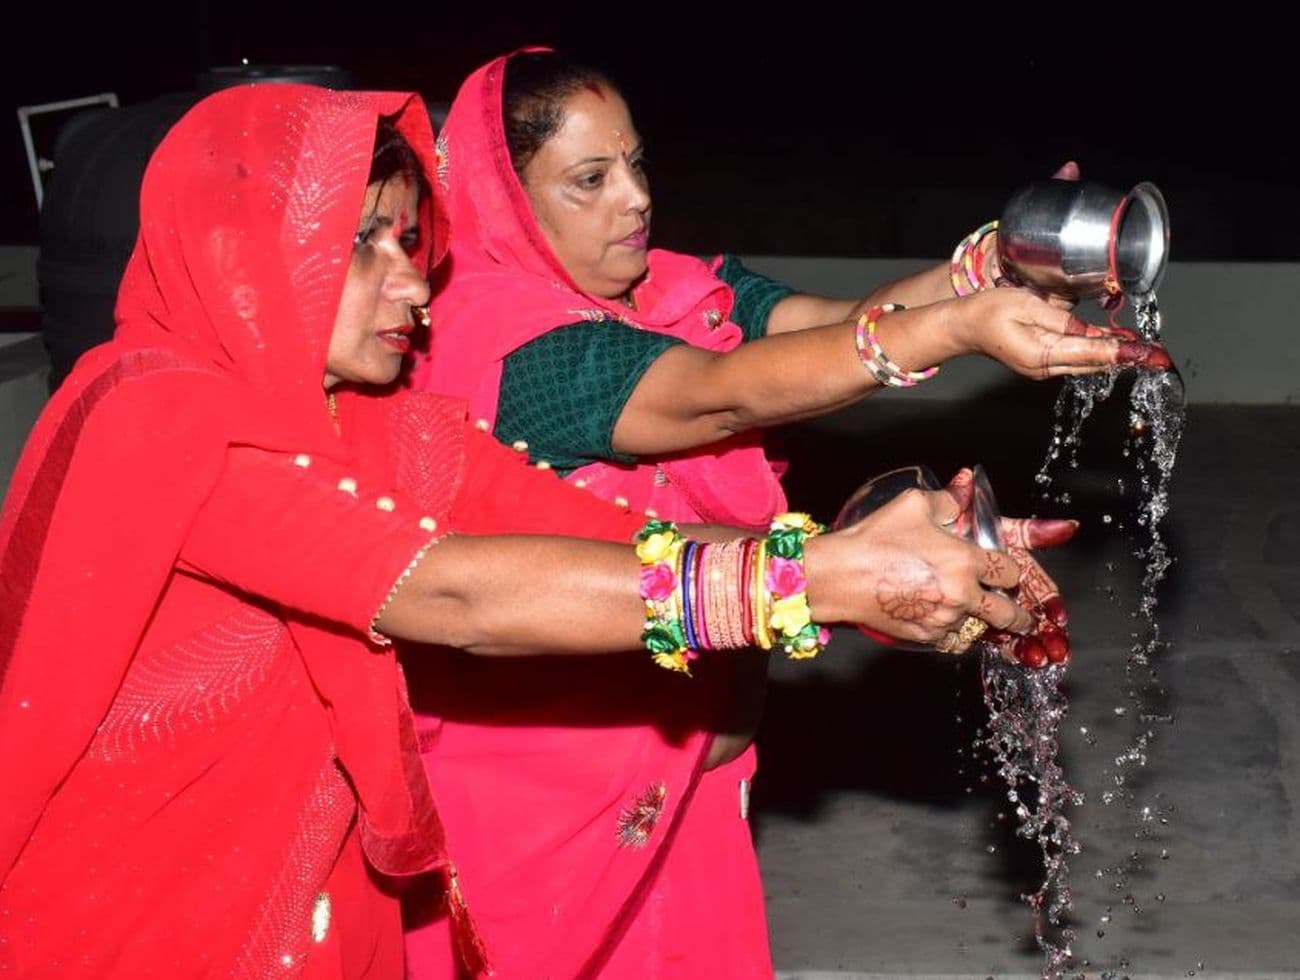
(659, 546)
(789, 616)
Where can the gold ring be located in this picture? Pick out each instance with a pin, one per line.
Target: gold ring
(948, 644)
(971, 630)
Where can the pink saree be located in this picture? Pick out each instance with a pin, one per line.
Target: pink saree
(589, 840)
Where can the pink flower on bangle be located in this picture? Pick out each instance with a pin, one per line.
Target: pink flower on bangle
(657, 581)
(785, 577)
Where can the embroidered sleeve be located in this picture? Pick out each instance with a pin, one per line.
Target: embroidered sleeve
(562, 393)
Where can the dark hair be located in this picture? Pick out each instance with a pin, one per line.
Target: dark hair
(536, 85)
(393, 157)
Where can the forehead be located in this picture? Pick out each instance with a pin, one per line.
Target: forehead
(390, 197)
(593, 121)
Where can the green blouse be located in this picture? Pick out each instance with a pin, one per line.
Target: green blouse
(563, 392)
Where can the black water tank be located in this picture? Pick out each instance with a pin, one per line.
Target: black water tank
(91, 212)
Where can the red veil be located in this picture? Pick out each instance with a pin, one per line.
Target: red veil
(248, 210)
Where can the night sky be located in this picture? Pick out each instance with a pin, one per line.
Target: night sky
(796, 134)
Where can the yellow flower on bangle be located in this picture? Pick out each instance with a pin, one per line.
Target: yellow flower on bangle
(791, 614)
(797, 519)
(656, 547)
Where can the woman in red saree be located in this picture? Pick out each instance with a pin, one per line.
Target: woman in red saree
(612, 364)
(199, 741)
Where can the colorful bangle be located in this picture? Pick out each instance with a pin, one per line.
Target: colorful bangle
(762, 635)
(962, 273)
(746, 590)
(874, 358)
(659, 546)
(688, 595)
(790, 616)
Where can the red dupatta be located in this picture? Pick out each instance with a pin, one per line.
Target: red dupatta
(248, 209)
(504, 287)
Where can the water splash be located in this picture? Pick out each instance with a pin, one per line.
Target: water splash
(1028, 711)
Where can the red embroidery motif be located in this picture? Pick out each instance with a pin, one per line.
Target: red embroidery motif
(637, 822)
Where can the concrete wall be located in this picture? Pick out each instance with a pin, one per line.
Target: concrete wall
(1232, 329)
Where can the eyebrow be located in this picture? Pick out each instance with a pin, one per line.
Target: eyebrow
(639, 148)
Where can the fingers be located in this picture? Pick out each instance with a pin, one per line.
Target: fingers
(1150, 357)
(1055, 611)
(1002, 613)
(998, 570)
(1037, 532)
(944, 506)
(1075, 327)
(962, 487)
(1067, 171)
(1079, 355)
(1036, 586)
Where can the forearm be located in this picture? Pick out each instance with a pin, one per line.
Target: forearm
(691, 398)
(521, 595)
(804, 311)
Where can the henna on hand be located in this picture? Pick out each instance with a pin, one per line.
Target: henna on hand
(1035, 584)
(1048, 342)
(909, 591)
(995, 567)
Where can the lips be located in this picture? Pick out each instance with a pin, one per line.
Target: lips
(399, 338)
(638, 239)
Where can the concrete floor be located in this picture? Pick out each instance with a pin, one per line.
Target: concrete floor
(879, 834)
(878, 831)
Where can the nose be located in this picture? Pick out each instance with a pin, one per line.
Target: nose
(404, 283)
(638, 191)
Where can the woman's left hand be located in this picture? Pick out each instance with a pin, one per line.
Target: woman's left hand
(1039, 340)
(1037, 593)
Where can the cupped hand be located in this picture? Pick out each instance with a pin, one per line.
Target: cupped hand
(1037, 339)
(901, 572)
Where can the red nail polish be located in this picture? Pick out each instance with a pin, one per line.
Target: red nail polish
(1057, 646)
(1049, 532)
(1054, 609)
(1152, 357)
(1031, 652)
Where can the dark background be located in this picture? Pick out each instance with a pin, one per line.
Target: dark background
(857, 131)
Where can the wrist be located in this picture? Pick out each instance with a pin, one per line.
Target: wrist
(819, 567)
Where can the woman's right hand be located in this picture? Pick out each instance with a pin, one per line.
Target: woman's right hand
(1039, 340)
(899, 571)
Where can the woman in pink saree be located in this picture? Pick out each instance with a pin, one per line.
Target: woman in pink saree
(598, 813)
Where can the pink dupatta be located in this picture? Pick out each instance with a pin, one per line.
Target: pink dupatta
(566, 785)
(504, 287)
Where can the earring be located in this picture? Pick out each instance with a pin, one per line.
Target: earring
(421, 315)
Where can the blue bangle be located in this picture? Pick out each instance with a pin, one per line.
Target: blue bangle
(689, 552)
